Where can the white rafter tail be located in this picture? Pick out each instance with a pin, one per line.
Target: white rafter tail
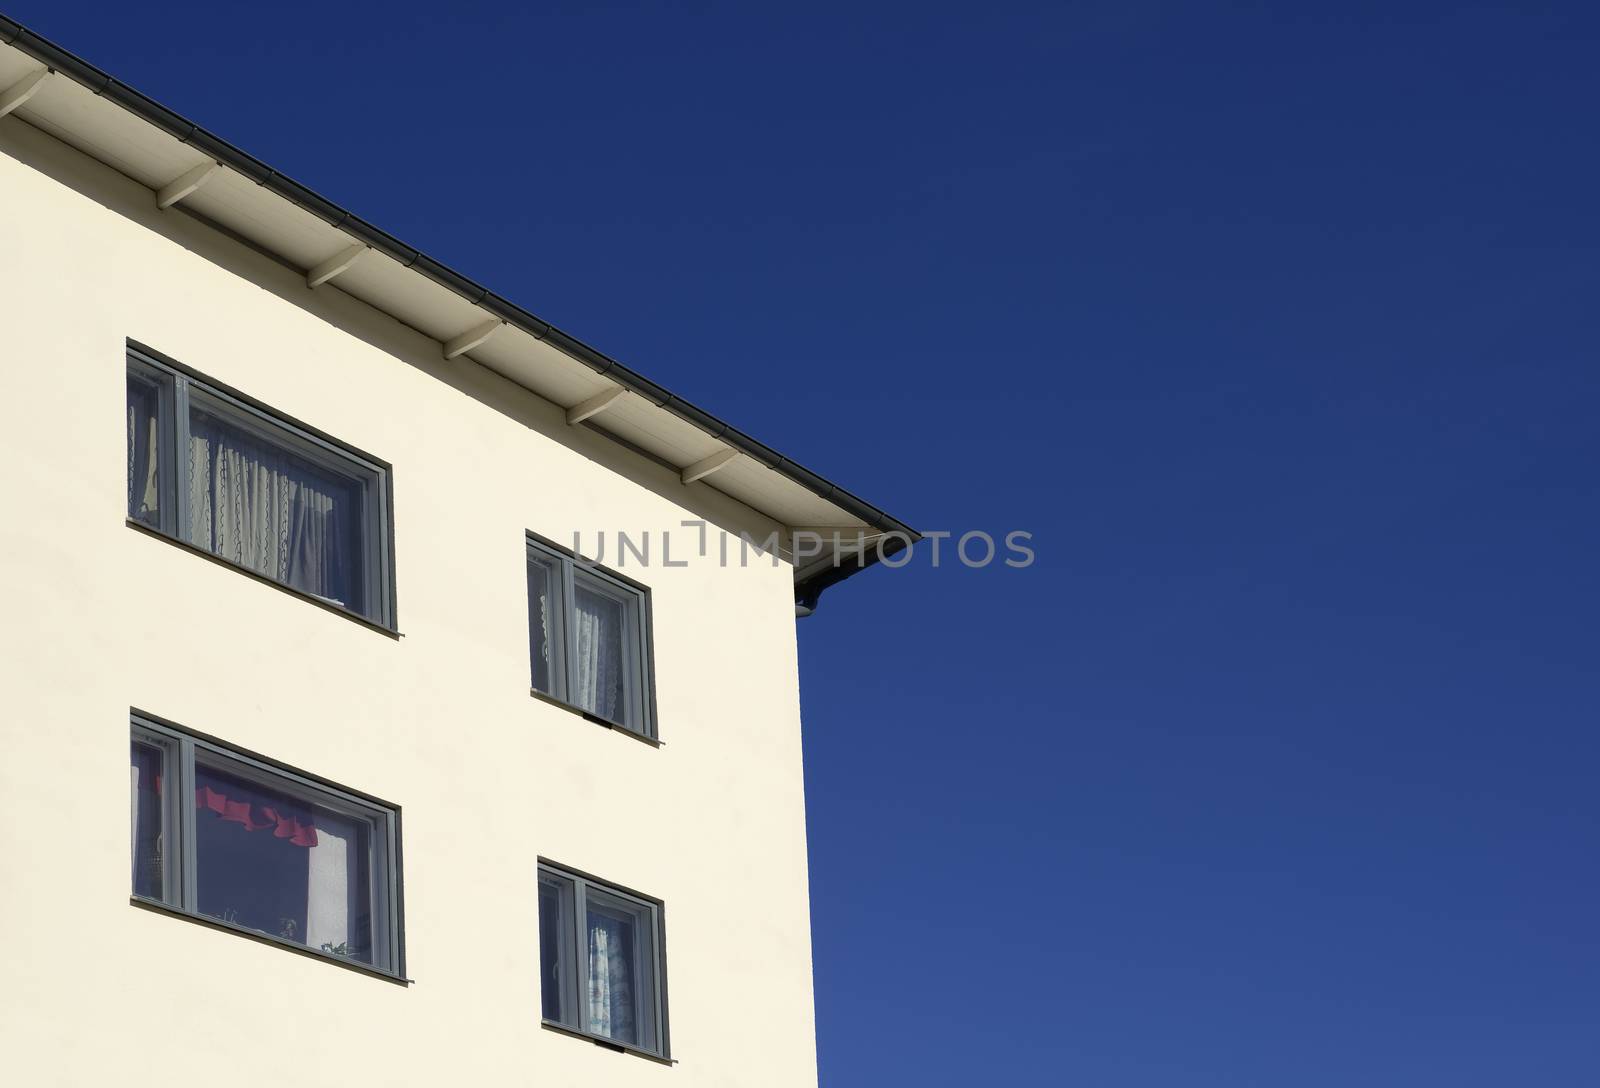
(22, 90)
(472, 338)
(706, 466)
(339, 262)
(594, 405)
(182, 186)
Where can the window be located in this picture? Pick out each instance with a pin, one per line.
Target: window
(601, 961)
(227, 477)
(263, 849)
(590, 634)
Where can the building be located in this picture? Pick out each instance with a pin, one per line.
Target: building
(342, 547)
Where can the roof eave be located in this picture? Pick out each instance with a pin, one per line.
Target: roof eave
(192, 134)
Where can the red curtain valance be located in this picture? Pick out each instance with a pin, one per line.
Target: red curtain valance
(300, 831)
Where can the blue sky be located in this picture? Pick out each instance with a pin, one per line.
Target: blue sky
(1275, 325)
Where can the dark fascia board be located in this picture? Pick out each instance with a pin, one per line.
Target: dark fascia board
(188, 132)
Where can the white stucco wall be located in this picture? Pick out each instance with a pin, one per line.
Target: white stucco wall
(100, 618)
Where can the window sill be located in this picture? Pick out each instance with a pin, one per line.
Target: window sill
(615, 727)
(607, 1044)
(158, 907)
(310, 598)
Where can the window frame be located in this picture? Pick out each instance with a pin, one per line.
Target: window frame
(639, 689)
(181, 389)
(574, 946)
(180, 893)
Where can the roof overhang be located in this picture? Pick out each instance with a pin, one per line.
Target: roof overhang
(192, 170)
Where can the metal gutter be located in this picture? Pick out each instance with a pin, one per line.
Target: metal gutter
(188, 132)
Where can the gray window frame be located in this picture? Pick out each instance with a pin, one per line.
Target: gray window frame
(639, 694)
(179, 389)
(180, 876)
(574, 952)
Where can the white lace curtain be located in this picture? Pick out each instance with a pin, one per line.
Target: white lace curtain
(597, 670)
(143, 442)
(271, 511)
(541, 624)
(611, 1007)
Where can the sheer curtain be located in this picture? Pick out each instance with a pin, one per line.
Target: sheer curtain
(611, 978)
(541, 576)
(328, 890)
(597, 672)
(143, 439)
(271, 511)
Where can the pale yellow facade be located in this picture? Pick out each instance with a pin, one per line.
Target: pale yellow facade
(102, 618)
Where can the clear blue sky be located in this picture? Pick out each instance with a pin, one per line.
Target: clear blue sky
(1276, 325)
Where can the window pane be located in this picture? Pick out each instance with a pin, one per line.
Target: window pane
(149, 821)
(545, 625)
(144, 444)
(621, 975)
(275, 861)
(601, 636)
(280, 514)
(557, 975)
